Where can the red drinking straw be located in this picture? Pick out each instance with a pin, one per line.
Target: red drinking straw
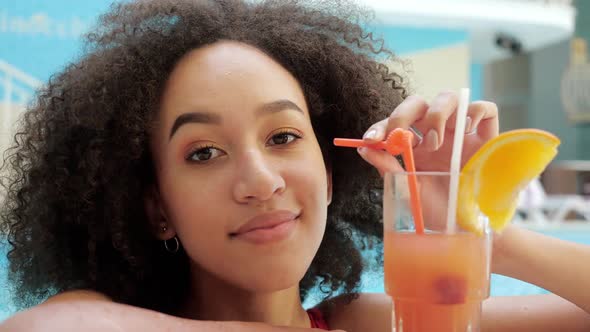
(399, 141)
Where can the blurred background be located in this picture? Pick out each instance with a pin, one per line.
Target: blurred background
(528, 56)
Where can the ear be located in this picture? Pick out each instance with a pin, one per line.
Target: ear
(329, 177)
(159, 223)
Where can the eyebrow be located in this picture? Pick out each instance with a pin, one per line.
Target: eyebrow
(194, 117)
(211, 118)
(278, 106)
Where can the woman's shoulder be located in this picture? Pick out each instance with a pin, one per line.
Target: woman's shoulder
(368, 312)
(86, 310)
(78, 295)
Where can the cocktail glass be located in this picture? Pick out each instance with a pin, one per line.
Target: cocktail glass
(439, 275)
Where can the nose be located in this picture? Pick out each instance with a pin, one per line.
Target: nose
(258, 178)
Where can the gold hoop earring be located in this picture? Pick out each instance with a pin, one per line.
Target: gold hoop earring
(176, 246)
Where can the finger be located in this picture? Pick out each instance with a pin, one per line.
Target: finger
(376, 132)
(412, 109)
(452, 122)
(381, 160)
(416, 136)
(406, 113)
(433, 124)
(484, 115)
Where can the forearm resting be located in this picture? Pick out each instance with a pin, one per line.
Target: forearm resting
(101, 316)
(533, 313)
(558, 266)
(96, 316)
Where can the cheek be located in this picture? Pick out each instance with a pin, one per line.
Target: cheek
(312, 188)
(192, 203)
(200, 217)
(308, 181)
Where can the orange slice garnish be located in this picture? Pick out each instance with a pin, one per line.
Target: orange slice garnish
(493, 177)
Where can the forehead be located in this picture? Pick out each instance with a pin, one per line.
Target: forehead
(217, 74)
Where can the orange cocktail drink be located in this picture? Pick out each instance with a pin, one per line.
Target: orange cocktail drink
(438, 277)
(436, 273)
(436, 229)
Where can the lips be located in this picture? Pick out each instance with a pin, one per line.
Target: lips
(267, 227)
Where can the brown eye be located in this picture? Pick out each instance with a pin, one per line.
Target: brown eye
(204, 154)
(283, 138)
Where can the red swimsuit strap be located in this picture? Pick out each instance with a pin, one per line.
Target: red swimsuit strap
(317, 319)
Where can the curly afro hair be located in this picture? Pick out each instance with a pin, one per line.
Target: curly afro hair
(75, 176)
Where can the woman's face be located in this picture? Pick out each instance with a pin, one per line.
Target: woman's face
(241, 178)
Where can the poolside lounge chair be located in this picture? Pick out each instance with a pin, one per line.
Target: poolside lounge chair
(536, 206)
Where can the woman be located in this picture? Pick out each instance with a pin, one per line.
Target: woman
(180, 175)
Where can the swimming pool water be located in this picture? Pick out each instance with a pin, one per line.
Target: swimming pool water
(5, 307)
(372, 281)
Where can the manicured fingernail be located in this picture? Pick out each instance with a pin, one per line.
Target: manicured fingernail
(361, 150)
(431, 140)
(371, 134)
(468, 124)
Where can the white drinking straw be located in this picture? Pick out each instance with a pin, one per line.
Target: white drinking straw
(456, 158)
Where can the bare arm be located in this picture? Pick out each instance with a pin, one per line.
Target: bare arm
(93, 312)
(561, 267)
(535, 313)
(538, 313)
